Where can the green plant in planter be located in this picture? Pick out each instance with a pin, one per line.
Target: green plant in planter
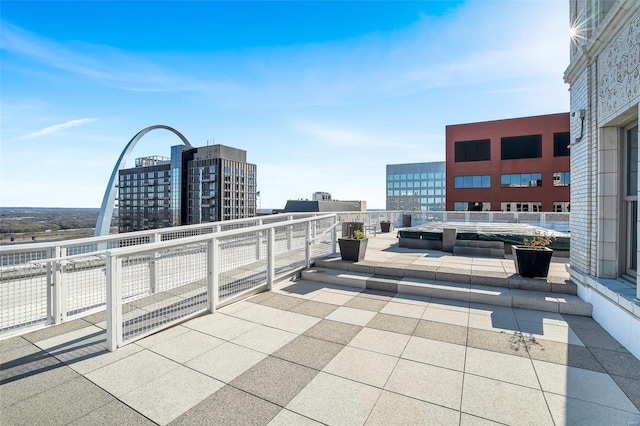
(385, 225)
(534, 257)
(358, 235)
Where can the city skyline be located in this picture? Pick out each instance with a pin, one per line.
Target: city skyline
(321, 95)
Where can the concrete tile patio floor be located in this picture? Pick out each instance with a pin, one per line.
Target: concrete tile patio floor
(313, 353)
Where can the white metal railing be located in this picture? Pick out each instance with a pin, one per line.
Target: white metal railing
(555, 221)
(153, 286)
(48, 283)
(51, 282)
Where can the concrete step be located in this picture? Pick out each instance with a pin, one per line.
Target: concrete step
(483, 276)
(501, 296)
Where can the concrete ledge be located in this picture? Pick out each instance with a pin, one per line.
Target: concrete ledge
(492, 295)
(383, 283)
(329, 276)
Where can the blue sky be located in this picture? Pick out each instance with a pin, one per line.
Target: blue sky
(322, 95)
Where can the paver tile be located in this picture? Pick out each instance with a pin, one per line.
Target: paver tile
(351, 316)
(446, 316)
(167, 397)
(275, 380)
(404, 309)
(258, 313)
(59, 405)
(113, 413)
(293, 322)
(511, 343)
(618, 363)
(336, 401)
(582, 384)
(507, 368)
(226, 361)
(186, 346)
(314, 309)
(363, 366)
(557, 333)
(393, 323)
(221, 326)
(504, 402)
(562, 353)
(441, 331)
(333, 298)
(122, 376)
(230, 407)
(162, 336)
(469, 420)
(333, 331)
(381, 341)
(426, 382)
(630, 387)
(282, 302)
(264, 339)
(26, 371)
(411, 299)
(289, 418)
(434, 352)
(571, 411)
(366, 303)
(394, 409)
(310, 352)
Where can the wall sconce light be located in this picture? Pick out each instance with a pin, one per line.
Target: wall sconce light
(579, 114)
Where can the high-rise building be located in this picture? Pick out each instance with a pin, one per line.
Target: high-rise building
(416, 186)
(194, 185)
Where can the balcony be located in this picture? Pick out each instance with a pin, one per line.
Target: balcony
(373, 342)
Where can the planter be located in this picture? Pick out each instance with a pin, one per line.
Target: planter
(385, 226)
(532, 263)
(352, 249)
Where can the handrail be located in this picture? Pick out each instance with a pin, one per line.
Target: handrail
(144, 248)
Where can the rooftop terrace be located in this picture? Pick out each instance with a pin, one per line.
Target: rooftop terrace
(312, 352)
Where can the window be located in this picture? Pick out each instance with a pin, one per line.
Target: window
(521, 180)
(479, 150)
(476, 206)
(561, 144)
(561, 206)
(561, 178)
(483, 181)
(521, 206)
(517, 147)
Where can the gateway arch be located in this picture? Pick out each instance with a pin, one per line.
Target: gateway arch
(106, 210)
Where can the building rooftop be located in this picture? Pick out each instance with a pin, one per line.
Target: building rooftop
(310, 352)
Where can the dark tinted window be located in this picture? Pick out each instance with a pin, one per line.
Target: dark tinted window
(517, 147)
(479, 150)
(561, 144)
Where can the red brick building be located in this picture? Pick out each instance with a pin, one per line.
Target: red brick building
(518, 164)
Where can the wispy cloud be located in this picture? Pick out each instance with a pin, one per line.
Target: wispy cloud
(58, 128)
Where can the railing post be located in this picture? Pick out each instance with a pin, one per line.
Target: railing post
(53, 305)
(334, 235)
(258, 241)
(114, 302)
(59, 290)
(213, 274)
(289, 233)
(307, 245)
(153, 270)
(271, 257)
